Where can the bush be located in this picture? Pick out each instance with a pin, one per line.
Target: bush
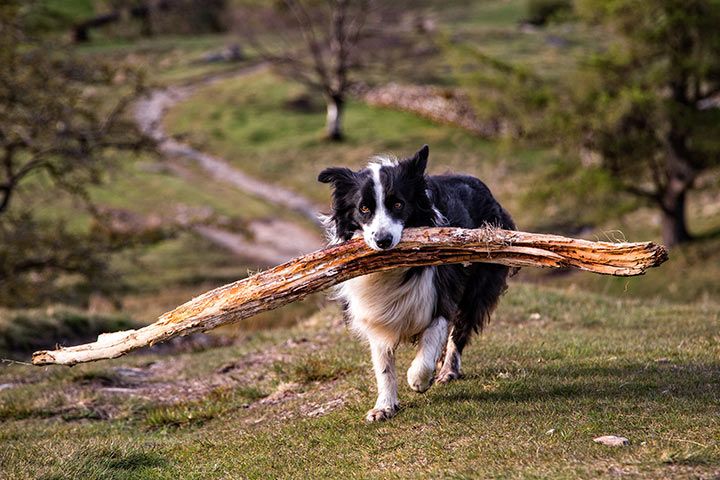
(540, 12)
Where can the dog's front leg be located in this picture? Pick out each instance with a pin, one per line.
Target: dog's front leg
(383, 358)
(421, 373)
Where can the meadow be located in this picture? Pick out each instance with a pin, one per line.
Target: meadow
(553, 371)
(568, 356)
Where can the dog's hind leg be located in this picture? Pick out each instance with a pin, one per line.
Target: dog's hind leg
(421, 373)
(451, 367)
(383, 358)
(485, 285)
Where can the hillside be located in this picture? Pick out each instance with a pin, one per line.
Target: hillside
(568, 357)
(553, 371)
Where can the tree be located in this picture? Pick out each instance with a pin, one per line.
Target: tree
(648, 105)
(323, 44)
(61, 124)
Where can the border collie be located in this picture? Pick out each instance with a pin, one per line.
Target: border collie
(434, 307)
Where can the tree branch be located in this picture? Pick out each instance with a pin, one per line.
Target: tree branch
(319, 270)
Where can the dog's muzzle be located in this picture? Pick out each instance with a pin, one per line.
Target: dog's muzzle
(383, 240)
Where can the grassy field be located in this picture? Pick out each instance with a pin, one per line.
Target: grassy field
(249, 118)
(553, 371)
(568, 357)
(250, 121)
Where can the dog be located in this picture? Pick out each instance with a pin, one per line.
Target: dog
(438, 308)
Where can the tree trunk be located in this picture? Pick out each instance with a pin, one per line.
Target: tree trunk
(7, 193)
(333, 124)
(319, 270)
(674, 223)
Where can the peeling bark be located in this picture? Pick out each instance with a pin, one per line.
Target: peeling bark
(319, 270)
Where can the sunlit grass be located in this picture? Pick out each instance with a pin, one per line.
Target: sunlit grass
(553, 371)
(250, 123)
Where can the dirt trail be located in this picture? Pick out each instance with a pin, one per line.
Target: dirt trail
(149, 113)
(273, 241)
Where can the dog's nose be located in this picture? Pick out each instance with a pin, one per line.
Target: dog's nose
(383, 240)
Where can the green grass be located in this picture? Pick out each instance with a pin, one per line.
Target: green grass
(23, 331)
(553, 371)
(493, 27)
(247, 119)
(248, 122)
(166, 59)
(57, 15)
(145, 185)
(489, 14)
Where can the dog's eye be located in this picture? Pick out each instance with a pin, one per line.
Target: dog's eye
(364, 209)
(398, 205)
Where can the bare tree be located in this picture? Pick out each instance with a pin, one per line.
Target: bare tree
(61, 124)
(55, 118)
(321, 45)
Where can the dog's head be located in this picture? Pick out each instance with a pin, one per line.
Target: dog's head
(380, 200)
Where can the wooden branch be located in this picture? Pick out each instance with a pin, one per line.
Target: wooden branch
(319, 270)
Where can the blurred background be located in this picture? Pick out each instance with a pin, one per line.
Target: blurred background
(152, 150)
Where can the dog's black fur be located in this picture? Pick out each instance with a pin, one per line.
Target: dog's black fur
(467, 295)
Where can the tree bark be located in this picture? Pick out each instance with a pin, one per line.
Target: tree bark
(674, 220)
(319, 270)
(335, 110)
(5, 201)
(680, 176)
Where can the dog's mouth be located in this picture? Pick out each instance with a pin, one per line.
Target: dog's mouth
(381, 242)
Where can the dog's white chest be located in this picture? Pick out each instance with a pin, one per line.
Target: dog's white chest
(388, 305)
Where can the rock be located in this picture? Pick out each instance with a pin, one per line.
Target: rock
(612, 441)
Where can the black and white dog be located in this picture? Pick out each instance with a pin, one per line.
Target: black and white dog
(435, 307)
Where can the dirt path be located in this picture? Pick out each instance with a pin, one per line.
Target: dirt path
(149, 113)
(274, 240)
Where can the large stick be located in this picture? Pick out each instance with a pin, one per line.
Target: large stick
(319, 270)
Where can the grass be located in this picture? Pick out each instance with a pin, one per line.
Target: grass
(554, 370)
(57, 15)
(249, 119)
(145, 186)
(22, 331)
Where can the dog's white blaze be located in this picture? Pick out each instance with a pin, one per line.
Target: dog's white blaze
(381, 222)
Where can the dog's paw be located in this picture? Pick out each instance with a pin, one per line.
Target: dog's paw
(447, 376)
(419, 378)
(381, 414)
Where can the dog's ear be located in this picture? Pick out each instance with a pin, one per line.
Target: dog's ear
(337, 176)
(417, 164)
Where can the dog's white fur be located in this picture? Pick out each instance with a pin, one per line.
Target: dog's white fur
(386, 310)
